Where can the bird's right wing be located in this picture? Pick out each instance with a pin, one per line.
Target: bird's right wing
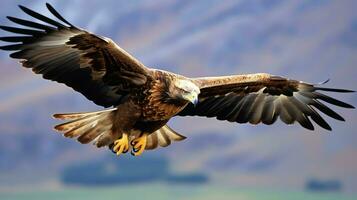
(256, 98)
(92, 65)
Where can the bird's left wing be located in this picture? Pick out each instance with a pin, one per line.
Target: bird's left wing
(256, 98)
(92, 65)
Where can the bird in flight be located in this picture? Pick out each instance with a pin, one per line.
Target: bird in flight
(141, 100)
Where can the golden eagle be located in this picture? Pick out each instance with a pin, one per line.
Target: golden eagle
(143, 99)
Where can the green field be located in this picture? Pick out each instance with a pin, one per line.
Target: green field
(172, 192)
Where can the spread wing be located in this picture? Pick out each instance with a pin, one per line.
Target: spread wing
(92, 65)
(263, 98)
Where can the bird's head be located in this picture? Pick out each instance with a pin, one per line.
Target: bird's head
(185, 90)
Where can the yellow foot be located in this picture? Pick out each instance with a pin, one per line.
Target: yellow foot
(121, 145)
(139, 145)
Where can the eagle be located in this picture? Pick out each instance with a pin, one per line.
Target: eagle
(139, 101)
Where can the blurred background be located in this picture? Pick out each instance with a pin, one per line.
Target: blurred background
(301, 39)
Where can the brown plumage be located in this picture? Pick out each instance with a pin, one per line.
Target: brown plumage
(144, 99)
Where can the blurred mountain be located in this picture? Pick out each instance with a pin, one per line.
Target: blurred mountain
(109, 171)
(301, 39)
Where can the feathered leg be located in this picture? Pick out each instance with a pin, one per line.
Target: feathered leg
(124, 120)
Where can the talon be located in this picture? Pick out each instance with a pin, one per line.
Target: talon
(121, 145)
(138, 145)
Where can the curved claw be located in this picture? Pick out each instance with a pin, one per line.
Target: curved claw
(121, 145)
(138, 145)
(126, 150)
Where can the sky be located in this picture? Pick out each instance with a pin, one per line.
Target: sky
(300, 39)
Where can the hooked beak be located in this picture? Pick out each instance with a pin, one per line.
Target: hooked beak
(194, 99)
(191, 97)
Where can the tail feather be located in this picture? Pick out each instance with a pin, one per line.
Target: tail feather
(173, 135)
(96, 127)
(87, 127)
(93, 132)
(75, 123)
(69, 116)
(163, 138)
(103, 140)
(80, 129)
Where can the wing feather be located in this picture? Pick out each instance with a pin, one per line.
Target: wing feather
(31, 24)
(41, 17)
(92, 65)
(263, 98)
(22, 31)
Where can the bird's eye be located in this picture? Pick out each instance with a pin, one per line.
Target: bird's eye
(187, 92)
(182, 90)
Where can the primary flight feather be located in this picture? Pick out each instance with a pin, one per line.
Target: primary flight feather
(143, 100)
